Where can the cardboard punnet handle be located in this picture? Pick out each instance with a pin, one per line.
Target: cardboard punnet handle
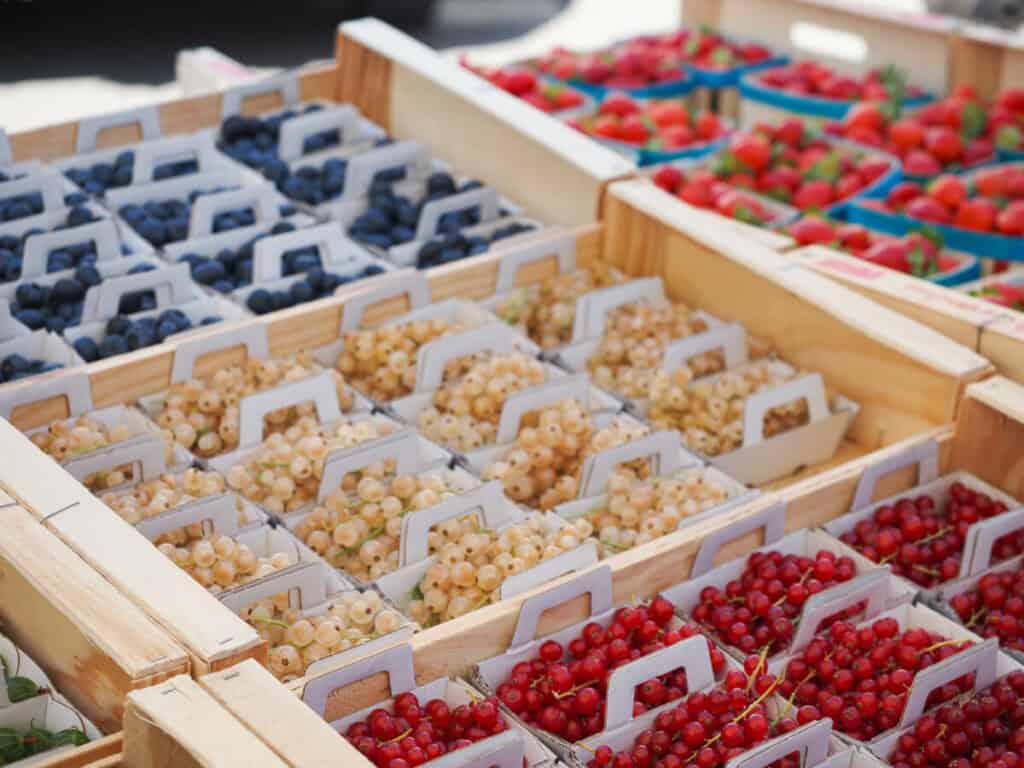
(562, 247)
(430, 216)
(172, 287)
(268, 252)
(596, 582)
(810, 740)
(102, 234)
(295, 131)
(573, 561)
(981, 659)
(5, 149)
(10, 328)
(251, 336)
(484, 500)
(46, 183)
(219, 510)
(772, 519)
(260, 198)
(410, 283)
(597, 305)
(434, 356)
(924, 455)
(518, 404)
(400, 446)
(810, 388)
(691, 654)
(982, 536)
(319, 388)
(287, 85)
(308, 581)
(73, 385)
(89, 128)
(664, 448)
(153, 154)
(362, 168)
(731, 338)
(502, 751)
(396, 661)
(145, 451)
(872, 586)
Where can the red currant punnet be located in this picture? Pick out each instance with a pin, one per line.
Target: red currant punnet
(994, 607)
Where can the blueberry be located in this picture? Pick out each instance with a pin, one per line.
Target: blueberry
(80, 215)
(58, 261)
(440, 182)
(381, 241)
(68, 290)
(177, 229)
(118, 326)
(29, 296)
(114, 344)
(55, 324)
(16, 363)
(260, 301)
(282, 227)
(301, 292)
(209, 272)
(223, 286)
(211, 320)
(164, 329)
(403, 234)
(153, 231)
(449, 255)
(372, 269)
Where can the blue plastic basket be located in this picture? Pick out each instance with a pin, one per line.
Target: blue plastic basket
(808, 106)
(728, 78)
(667, 90)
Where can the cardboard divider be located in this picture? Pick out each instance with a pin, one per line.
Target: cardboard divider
(811, 741)
(771, 519)
(45, 183)
(434, 356)
(411, 284)
(980, 659)
(810, 388)
(262, 199)
(102, 234)
(171, 286)
(730, 338)
(218, 511)
(573, 561)
(519, 403)
(146, 452)
(872, 587)
(285, 85)
(89, 129)
(252, 337)
(663, 448)
(924, 455)
(982, 536)
(150, 155)
(336, 251)
(253, 408)
(430, 215)
(596, 582)
(362, 168)
(559, 244)
(295, 131)
(593, 308)
(400, 447)
(72, 386)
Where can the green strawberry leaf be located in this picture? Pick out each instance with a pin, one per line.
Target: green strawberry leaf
(21, 688)
(895, 82)
(933, 235)
(744, 214)
(891, 110)
(70, 737)
(782, 194)
(691, 46)
(827, 168)
(972, 121)
(920, 265)
(722, 57)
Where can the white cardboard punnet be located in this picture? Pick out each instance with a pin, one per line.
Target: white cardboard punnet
(74, 386)
(103, 234)
(47, 184)
(144, 452)
(409, 283)
(286, 85)
(337, 252)
(151, 154)
(49, 712)
(663, 448)
(811, 741)
(262, 199)
(171, 287)
(294, 132)
(592, 309)
(218, 515)
(89, 128)
(10, 328)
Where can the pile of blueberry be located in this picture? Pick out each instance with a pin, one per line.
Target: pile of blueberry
(316, 184)
(97, 178)
(14, 367)
(454, 247)
(253, 140)
(124, 334)
(67, 257)
(166, 221)
(59, 306)
(315, 284)
(232, 268)
(391, 219)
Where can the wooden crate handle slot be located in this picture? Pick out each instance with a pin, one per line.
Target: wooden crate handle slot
(396, 661)
(286, 86)
(252, 337)
(561, 246)
(73, 386)
(409, 283)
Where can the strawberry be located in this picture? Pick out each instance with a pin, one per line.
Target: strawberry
(948, 190)
(669, 178)
(658, 124)
(752, 150)
(811, 230)
(1010, 220)
(928, 209)
(978, 214)
(944, 144)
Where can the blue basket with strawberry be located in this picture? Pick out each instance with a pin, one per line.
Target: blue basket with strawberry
(796, 164)
(810, 89)
(654, 130)
(1006, 119)
(919, 254)
(1005, 289)
(979, 211)
(629, 67)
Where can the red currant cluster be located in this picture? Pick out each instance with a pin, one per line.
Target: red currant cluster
(995, 607)
(706, 730)
(923, 542)
(565, 694)
(986, 730)
(860, 677)
(416, 734)
(759, 609)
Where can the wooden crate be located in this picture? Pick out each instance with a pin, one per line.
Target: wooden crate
(988, 59)
(93, 644)
(997, 333)
(212, 636)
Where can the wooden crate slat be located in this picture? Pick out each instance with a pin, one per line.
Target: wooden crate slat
(93, 642)
(990, 433)
(213, 636)
(480, 129)
(1002, 342)
(101, 753)
(291, 729)
(179, 725)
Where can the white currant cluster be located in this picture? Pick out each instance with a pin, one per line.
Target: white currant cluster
(220, 562)
(167, 492)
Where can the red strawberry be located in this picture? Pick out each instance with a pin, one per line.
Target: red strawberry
(928, 209)
(1011, 219)
(977, 214)
(812, 230)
